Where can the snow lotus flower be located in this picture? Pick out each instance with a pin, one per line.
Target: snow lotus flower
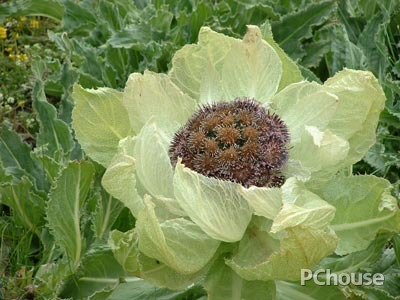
(236, 167)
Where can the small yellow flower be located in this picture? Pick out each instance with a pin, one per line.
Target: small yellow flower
(8, 49)
(22, 57)
(3, 33)
(34, 24)
(11, 56)
(23, 19)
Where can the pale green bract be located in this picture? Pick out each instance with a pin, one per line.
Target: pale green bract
(189, 226)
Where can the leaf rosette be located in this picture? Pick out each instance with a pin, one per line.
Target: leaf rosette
(191, 225)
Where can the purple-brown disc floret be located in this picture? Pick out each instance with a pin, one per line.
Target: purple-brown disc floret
(238, 141)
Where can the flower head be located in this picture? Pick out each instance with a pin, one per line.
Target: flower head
(234, 146)
(238, 141)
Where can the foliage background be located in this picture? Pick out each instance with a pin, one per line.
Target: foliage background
(47, 46)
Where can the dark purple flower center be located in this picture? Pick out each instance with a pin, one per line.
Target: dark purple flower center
(238, 141)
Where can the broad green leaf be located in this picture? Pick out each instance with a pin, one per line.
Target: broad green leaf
(120, 177)
(355, 261)
(16, 158)
(179, 243)
(361, 100)
(251, 68)
(293, 290)
(28, 207)
(153, 166)
(155, 96)
(4, 177)
(364, 206)
(343, 53)
(214, 205)
(64, 208)
(54, 134)
(100, 121)
(106, 211)
(51, 9)
(373, 41)
(50, 166)
(293, 28)
(304, 104)
(290, 71)
(301, 207)
(263, 257)
(264, 201)
(98, 270)
(142, 290)
(223, 283)
(194, 65)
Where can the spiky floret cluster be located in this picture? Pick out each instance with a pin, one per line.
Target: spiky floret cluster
(238, 141)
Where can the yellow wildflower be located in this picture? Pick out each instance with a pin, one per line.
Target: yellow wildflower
(22, 57)
(11, 56)
(34, 24)
(23, 19)
(3, 33)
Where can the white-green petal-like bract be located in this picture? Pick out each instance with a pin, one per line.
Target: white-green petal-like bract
(119, 180)
(153, 166)
(179, 243)
(100, 120)
(251, 69)
(302, 207)
(194, 65)
(262, 257)
(265, 201)
(215, 205)
(155, 96)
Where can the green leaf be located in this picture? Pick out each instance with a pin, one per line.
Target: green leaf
(364, 207)
(120, 177)
(49, 8)
(223, 283)
(214, 205)
(311, 291)
(64, 208)
(155, 96)
(142, 290)
(355, 261)
(54, 134)
(293, 28)
(16, 158)
(106, 212)
(178, 242)
(100, 121)
(290, 71)
(4, 177)
(343, 53)
(28, 207)
(98, 270)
